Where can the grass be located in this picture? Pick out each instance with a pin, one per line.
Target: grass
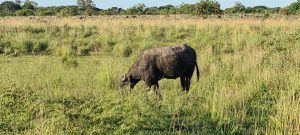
(59, 77)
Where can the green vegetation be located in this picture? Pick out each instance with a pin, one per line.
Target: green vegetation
(58, 78)
(87, 8)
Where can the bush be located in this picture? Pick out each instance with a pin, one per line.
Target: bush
(9, 6)
(158, 34)
(208, 7)
(34, 30)
(70, 61)
(127, 51)
(28, 5)
(41, 47)
(84, 50)
(45, 12)
(23, 45)
(69, 11)
(28, 46)
(293, 8)
(4, 45)
(25, 12)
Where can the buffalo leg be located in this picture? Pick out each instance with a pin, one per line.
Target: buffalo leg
(183, 83)
(157, 91)
(148, 84)
(188, 84)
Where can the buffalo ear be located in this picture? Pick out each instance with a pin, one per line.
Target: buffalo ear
(124, 78)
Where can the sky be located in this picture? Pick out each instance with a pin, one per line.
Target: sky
(104, 4)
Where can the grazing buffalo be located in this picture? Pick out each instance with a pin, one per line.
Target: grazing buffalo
(164, 62)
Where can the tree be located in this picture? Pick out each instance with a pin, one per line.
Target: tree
(187, 9)
(32, 3)
(137, 9)
(85, 3)
(151, 11)
(25, 12)
(89, 3)
(113, 11)
(28, 5)
(69, 11)
(168, 9)
(239, 7)
(294, 8)
(9, 6)
(18, 2)
(81, 3)
(208, 7)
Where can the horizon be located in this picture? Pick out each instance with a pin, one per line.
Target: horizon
(105, 4)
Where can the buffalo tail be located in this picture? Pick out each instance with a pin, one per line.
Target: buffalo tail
(198, 73)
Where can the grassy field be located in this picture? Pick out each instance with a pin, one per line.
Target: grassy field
(61, 76)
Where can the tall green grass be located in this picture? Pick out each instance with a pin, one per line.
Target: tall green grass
(65, 80)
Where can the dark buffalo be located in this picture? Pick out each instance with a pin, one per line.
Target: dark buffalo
(164, 62)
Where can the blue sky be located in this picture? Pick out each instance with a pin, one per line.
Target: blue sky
(104, 4)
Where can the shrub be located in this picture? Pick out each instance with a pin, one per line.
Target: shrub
(34, 30)
(70, 61)
(23, 45)
(158, 34)
(9, 6)
(207, 7)
(28, 5)
(110, 44)
(28, 46)
(4, 45)
(69, 11)
(25, 12)
(127, 51)
(84, 50)
(41, 46)
(45, 12)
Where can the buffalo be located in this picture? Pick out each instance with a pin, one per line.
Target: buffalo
(164, 62)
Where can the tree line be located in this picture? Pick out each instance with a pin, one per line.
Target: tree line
(87, 7)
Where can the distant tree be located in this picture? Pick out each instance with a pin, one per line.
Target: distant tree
(81, 3)
(69, 11)
(25, 12)
(284, 11)
(187, 9)
(18, 2)
(91, 11)
(167, 9)
(260, 9)
(89, 3)
(113, 11)
(239, 7)
(207, 7)
(137, 9)
(28, 5)
(275, 10)
(294, 8)
(32, 3)
(9, 6)
(50, 11)
(151, 11)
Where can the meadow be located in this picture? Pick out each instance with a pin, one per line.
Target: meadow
(61, 76)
